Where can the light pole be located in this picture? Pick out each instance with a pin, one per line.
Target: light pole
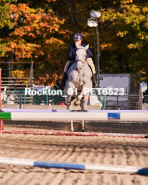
(93, 22)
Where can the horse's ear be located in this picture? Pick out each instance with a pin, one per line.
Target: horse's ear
(86, 47)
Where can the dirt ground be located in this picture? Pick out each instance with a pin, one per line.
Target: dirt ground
(79, 149)
(90, 126)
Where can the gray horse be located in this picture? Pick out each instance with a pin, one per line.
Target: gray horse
(79, 83)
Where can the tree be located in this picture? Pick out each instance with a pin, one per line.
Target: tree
(125, 38)
(6, 26)
(42, 30)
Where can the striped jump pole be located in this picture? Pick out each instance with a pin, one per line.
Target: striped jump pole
(48, 116)
(74, 166)
(95, 115)
(66, 115)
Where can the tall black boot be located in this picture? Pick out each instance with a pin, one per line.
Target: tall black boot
(94, 80)
(62, 85)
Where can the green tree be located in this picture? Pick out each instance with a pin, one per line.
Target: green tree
(125, 38)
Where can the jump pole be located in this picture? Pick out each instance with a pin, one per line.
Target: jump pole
(74, 166)
(1, 121)
(98, 116)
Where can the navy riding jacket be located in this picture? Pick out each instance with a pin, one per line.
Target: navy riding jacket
(72, 52)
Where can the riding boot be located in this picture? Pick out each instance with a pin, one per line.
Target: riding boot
(62, 85)
(94, 81)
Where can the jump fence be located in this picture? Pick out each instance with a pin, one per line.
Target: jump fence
(90, 115)
(122, 115)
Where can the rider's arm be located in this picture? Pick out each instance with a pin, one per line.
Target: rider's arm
(89, 53)
(70, 54)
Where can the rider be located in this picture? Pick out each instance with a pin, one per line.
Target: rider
(71, 58)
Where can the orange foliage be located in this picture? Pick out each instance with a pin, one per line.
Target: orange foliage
(20, 74)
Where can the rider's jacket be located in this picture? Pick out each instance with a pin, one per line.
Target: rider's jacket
(72, 52)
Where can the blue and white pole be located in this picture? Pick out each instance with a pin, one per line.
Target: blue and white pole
(75, 166)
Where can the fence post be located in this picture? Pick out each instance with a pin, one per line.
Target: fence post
(53, 104)
(128, 102)
(24, 98)
(104, 101)
(20, 100)
(1, 121)
(47, 98)
(117, 101)
(31, 75)
(140, 99)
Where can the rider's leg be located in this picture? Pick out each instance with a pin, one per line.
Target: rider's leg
(62, 85)
(67, 65)
(94, 78)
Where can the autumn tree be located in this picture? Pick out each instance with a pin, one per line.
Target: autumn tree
(124, 38)
(6, 26)
(41, 31)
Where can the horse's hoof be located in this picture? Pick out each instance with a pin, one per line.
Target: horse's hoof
(67, 103)
(83, 130)
(76, 104)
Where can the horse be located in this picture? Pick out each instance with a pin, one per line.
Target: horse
(79, 82)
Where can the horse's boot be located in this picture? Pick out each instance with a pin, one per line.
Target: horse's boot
(94, 80)
(62, 85)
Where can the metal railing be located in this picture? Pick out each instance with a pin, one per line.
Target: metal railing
(128, 101)
(19, 97)
(14, 81)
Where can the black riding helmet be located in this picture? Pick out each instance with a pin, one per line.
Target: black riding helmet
(77, 36)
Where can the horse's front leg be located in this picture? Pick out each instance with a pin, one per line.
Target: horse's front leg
(68, 100)
(82, 94)
(84, 102)
(70, 92)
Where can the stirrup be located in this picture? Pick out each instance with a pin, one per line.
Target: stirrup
(58, 85)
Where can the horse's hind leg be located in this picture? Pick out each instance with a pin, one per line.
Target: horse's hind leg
(83, 126)
(72, 128)
(84, 102)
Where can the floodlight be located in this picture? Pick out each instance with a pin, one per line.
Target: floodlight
(95, 14)
(92, 23)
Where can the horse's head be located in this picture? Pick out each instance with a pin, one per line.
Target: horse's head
(81, 56)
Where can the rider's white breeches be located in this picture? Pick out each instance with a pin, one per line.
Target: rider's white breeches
(91, 64)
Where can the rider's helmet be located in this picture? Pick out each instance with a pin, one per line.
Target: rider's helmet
(77, 36)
